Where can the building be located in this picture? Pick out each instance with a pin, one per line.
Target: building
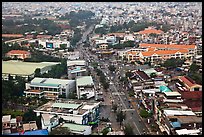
(49, 87)
(162, 55)
(18, 54)
(78, 129)
(49, 121)
(10, 125)
(189, 84)
(103, 46)
(72, 55)
(52, 44)
(76, 68)
(85, 87)
(24, 69)
(30, 126)
(78, 111)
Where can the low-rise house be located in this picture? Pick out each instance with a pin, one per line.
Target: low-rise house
(49, 121)
(189, 84)
(77, 111)
(49, 87)
(19, 54)
(85, 87)
(76, 68)
(30, 126)
(10, 125)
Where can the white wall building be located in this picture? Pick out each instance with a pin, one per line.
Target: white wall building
(49, 87)
(85, 87)
(78, 111)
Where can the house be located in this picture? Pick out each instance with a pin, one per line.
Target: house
(103, 46)
(30, 126)
(20, 54)
(10, 125)
(76, 68)
(189, 84)
(78, 111)
(193, 100)
(49, 87)
(49, 121)
(85, 87)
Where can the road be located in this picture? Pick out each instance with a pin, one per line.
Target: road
(117, 91)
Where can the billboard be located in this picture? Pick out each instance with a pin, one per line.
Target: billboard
(49, 45)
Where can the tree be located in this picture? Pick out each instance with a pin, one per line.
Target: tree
(29, 116)
(112, 68)
(144, 113)
(153, 75)
(37, 72)
(61, 131)
(114, 107)
(120, 116)
(128, 130)
(194, 68)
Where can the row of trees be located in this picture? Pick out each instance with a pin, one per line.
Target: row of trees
(10, 26)
(122, 45)
(103, 81)
(56, 72)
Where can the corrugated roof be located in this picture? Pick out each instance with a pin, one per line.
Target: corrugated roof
(34, 132)
(84, 80)
(175, 93)
(168, 112)
(66, 105)
(192, 95)
(23, 68)
(76, 127)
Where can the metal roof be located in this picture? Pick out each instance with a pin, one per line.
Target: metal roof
(84, 80)
(66, 105)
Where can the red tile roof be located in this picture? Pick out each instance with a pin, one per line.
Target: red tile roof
(188, 81)
(195, 105)
(192, 95)
(143, 75)
(12, 35)
(18, 52)
(163, 52)
(172, 46)
(150, 31)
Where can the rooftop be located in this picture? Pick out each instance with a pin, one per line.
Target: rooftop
(174, 93)
(84, 81)
(51, 82)
(76, 62)
(23, 68)
(76, 127)
(163, 52)
(172, 46)
(150, 31)
(34, 132)
(66, 105)
(168, 112)
(18, 52)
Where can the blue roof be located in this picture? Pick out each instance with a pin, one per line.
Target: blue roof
(175, 124)
(164, 89)
(34, 132)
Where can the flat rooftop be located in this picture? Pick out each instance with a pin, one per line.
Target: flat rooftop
(68, 106)
(51, 82)
(84, 81)
(23, 68)
(76, 127)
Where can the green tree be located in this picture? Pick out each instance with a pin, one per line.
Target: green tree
(194, 68)
(114, 107)
(112, 68)
(144, 113)
(128, 130)
(61, 131)
(37, 72)
(29, 116)
(153, 75)
(120, 116)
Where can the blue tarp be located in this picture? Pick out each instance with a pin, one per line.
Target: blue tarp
(176, 124)
(34, 132)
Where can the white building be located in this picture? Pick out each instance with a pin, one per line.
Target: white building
(78, 129)
(85, 87)
(76, 68)
(49, 121)
(49, 87)
(52, 44)
(78, 111)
